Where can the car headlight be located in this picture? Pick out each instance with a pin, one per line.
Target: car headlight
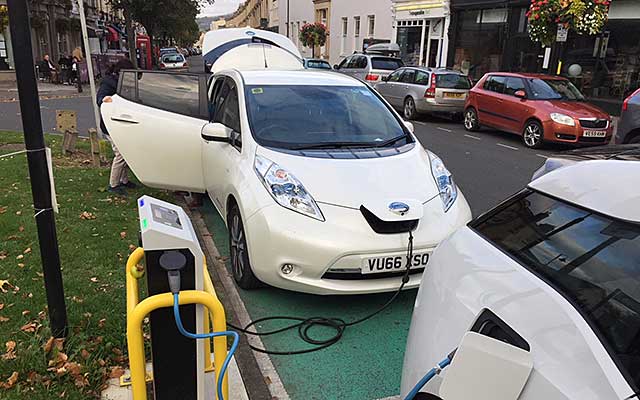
(286, 189)
(562, 119)
(444, 181)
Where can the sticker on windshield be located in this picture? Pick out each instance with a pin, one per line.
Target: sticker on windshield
(257, 90)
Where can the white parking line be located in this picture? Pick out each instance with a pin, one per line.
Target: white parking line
(419, 122)
(507, 146)
(541, 155)
(444, 129)
(472, 137)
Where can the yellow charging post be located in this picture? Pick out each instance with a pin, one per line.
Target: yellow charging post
(166, 227)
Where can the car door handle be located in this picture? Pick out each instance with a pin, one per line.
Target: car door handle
(124, 118)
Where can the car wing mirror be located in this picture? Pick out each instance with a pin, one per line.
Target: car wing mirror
(521, 94)
(409, 126)
(484, 368)
(335, 66)
(216, 132)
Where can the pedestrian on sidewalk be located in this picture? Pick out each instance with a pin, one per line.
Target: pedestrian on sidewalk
(75, 74)
(49, 70)
(119, 178)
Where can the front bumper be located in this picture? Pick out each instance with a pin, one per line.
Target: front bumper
(555, 132)
(278, 236)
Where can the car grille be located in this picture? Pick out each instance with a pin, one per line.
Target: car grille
(593, 139)
(353, 276)
(594, 123)
(386, 227)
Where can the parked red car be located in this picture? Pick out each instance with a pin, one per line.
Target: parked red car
(541, 108)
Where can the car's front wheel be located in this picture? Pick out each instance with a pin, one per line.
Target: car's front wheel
(471, 120)
(533, 135)
(240, 265)
(410, 109)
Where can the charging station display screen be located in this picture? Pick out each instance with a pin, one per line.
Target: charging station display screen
(165, 216)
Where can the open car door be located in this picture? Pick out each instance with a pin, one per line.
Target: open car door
(155, 120)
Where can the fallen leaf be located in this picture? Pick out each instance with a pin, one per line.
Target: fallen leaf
(102, 322)
(21, 265)
(18, 212)
(3, 210)
(87, 215)
(27, 250)
(84, 354)
(3, 255)
(19, 257)
(132, 247)
(94, 279)
(10, 354)
(11, 381)
(21, 228)
(10, 345)
(116, 372)
(4, 283)
(4, 319)
(31, 327)
(26, 312)
(123, 235)
(1, 306)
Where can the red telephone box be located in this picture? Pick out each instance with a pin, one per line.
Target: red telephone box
(143, 51)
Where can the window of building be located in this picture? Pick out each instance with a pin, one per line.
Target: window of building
(356, 33)
(343, 41)
(298, 33)
(589, 258)
(372, 25)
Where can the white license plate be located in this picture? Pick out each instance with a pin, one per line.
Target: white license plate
(594, 133)
(375, 265)
(452, 95)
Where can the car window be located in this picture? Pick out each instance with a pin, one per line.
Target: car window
(513, 85)
(386, 63)
(554, 89)
(452, 81)
(395, 76)
(353, 62)
(362, 62)
(408, 76)
(292, 116)
(128, 86)
(178, 93)
(319, 64)
(589, 258)
(344, 63)
(227, 110)
(422, 78)
(173, 58)
(495, 84)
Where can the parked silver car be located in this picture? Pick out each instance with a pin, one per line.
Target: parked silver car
(629, 126)
(425, 90)
(371, 68)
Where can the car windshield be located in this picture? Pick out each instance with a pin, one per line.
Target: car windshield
(386, 63)
(554, 89)
(318, 64)
(591, 259)
(452, 81)
(308, 116)
(173, 58)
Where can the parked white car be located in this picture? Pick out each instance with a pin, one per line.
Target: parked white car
(318, 179)
(554, 270)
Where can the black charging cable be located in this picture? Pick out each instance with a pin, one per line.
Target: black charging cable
(304, 325)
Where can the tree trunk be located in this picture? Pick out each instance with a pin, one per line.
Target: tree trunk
(131, 37)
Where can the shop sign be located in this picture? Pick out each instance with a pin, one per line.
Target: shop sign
(417, 12)
(562, 34)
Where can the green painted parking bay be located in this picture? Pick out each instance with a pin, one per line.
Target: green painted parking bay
(365, 364)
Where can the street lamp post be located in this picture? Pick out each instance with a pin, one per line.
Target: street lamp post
(38, 166)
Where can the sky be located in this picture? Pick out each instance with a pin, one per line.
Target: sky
(219, 7)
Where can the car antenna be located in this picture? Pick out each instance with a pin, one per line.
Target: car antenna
(264, 53)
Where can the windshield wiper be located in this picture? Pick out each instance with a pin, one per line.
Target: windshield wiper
(391, 141)
(330, 145)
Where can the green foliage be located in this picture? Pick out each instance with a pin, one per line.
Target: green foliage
(315, 34)
(586, 17)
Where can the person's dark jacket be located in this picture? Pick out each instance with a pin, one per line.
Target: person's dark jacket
(108, 87)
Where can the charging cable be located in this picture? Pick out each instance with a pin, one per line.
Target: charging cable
(432, 372)
(339, 325)
(173, 261)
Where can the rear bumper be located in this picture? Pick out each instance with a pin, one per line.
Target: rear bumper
(554, 132)
(432, 105)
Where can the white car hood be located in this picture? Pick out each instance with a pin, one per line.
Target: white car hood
(372, 182)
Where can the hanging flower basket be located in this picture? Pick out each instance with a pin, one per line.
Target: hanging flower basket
(586, 17)
(4, 18)
(315, 34)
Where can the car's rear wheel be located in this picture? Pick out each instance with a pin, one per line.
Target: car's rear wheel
(533, 135)
(239, 255)
(409, 109)
(471, 120)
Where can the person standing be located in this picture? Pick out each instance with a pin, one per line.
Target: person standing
(75, 74)
(119, 177)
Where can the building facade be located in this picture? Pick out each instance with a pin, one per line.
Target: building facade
(256, 14)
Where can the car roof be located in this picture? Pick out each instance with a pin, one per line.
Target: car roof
(609, 187)
(297, 77)
(527, 75)
(437, 71)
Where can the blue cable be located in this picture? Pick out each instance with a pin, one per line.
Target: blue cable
(234, 346)
(432, 372)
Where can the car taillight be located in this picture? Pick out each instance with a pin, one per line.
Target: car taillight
(186, 64)
(625, 104)
(162, 65)
(431, 90)
(371, 77)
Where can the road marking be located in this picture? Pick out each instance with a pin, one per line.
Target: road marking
(419, 123)
(541, 155)
(507, 146)
(444, 129)
(472, 137)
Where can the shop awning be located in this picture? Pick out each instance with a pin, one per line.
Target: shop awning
(113, 35)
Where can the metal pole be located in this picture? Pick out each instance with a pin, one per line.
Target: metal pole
(38, 167)
(92, 82)
(288, 19)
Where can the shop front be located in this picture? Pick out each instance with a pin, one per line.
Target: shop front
(489, 36)
(419, 30)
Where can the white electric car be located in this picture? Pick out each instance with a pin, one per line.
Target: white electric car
(554, 270)
(318, 179)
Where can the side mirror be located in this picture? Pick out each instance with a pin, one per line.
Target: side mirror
(409, 126)
(521, 94)
(335, 66)
(216, 132)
